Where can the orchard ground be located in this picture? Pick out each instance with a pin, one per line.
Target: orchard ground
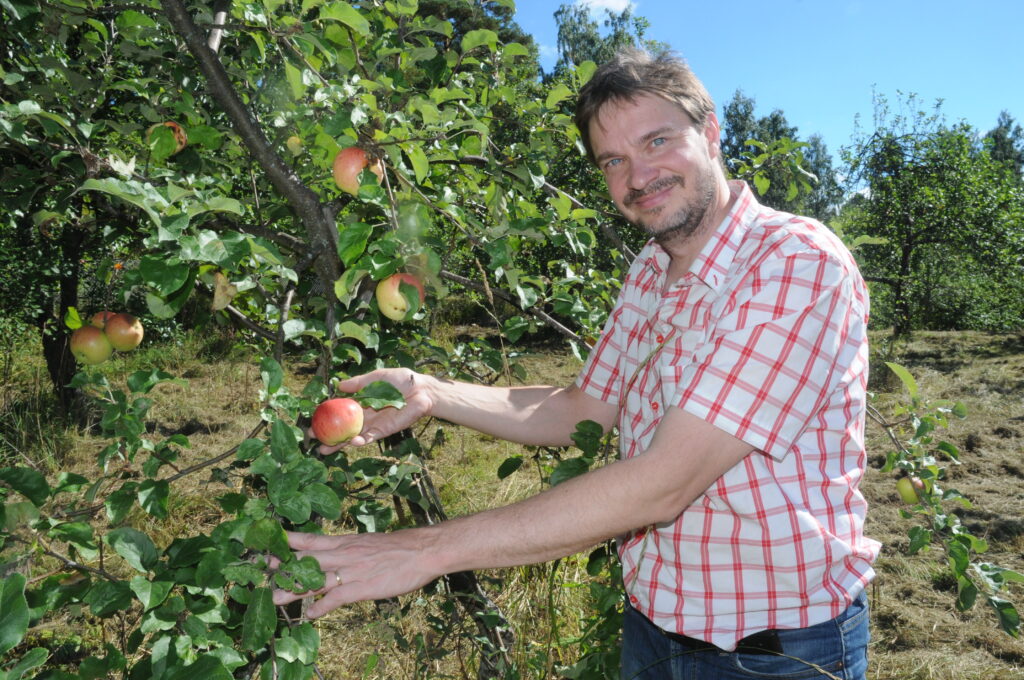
(917, 633)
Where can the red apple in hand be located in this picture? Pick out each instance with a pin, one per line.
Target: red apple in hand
(337, 420)
(90, 345)
(390, 300)
(124, 331)
(349, 163)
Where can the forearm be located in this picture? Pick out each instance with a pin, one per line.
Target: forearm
(538, 415)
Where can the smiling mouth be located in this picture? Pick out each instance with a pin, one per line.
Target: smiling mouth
(637, 196)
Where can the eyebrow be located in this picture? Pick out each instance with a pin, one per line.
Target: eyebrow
(653, 134)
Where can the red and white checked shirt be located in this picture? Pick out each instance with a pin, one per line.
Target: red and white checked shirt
(766, 340)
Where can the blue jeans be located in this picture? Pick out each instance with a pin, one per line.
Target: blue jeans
(833, 649)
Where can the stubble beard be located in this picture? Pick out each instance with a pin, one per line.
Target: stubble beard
(687, 220)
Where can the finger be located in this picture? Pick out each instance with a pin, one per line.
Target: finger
(298, 540)
(358, 382)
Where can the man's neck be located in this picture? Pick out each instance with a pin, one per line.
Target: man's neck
(682, 253)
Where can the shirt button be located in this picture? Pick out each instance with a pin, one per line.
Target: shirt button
(660, 337)
(654, 405)
(634, 600)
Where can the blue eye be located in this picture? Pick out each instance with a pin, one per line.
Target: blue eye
(613, 162)
(658, 141)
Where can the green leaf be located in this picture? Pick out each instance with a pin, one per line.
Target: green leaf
(379, 395)
(150, 593)
(761, 182)
(144, 381)
(153, 497)
(418, 159)
(272, 375)
(478, 37)
(352, 239)
(120, 502)
(134, 546)
(13, 612)
(337, 10)
(33, 659)
(107, 597)
(294, 77)
(567, 469)
(1009, 618)
(144, 196)
(206, 667)
(509, 465)
(557, 94)
(28, 482)
(323, 500)
(905, 377)
(165, 275)
(259, 621)
(267, 535)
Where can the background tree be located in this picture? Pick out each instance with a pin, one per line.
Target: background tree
(740, 126)
(1007, 143)
(948, 218)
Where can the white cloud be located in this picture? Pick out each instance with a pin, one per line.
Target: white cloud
(597, 6)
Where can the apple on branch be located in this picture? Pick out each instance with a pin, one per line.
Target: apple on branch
(337, 420)
(907, 488)
(124, 331)
(395, 303)
(180, 137)
(90, 345)
(349, 163)
(99, 319)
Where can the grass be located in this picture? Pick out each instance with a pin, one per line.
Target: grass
(917, 632)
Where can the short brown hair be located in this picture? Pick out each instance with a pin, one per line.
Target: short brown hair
(633, 72)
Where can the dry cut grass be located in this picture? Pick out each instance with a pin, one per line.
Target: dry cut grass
(917, 633)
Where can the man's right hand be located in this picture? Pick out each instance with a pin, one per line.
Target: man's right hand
(388, 421)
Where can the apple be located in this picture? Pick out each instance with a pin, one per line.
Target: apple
(349, 163)
(99, 319)
(294, 145)
(337, 420)
(123, 331)
(180, 138)
(392, 303)
(90, 345)
(907, 488)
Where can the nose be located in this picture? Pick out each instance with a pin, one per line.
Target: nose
(641, 174)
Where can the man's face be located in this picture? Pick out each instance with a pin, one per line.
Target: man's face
(659, 167)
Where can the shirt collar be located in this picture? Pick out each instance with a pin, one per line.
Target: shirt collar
(715, 259)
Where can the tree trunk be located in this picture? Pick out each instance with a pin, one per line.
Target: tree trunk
(60, 364)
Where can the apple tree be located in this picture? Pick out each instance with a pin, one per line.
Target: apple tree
(246, 221)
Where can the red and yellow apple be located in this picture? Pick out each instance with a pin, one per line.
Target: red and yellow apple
(349, 163)
(123, 331)
(99, 319)
(390, 300)
(90, 345)
(337, 420)
(180, 137)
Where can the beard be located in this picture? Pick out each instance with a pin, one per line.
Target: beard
(687, 220)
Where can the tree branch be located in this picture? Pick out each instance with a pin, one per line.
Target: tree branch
(537, 313)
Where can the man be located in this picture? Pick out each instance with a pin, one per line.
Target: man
(734, 365)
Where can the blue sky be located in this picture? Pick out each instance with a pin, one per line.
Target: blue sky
(820, 60)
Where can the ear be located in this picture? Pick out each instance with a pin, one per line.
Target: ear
(713, 135)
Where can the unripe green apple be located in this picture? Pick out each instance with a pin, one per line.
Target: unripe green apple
(90, 345)
(124, 331)
(390, 300)
(294, 145)
(337, 420)
(349, 163)
(906, 487)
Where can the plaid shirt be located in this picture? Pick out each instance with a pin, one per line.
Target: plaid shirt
(765, 337)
